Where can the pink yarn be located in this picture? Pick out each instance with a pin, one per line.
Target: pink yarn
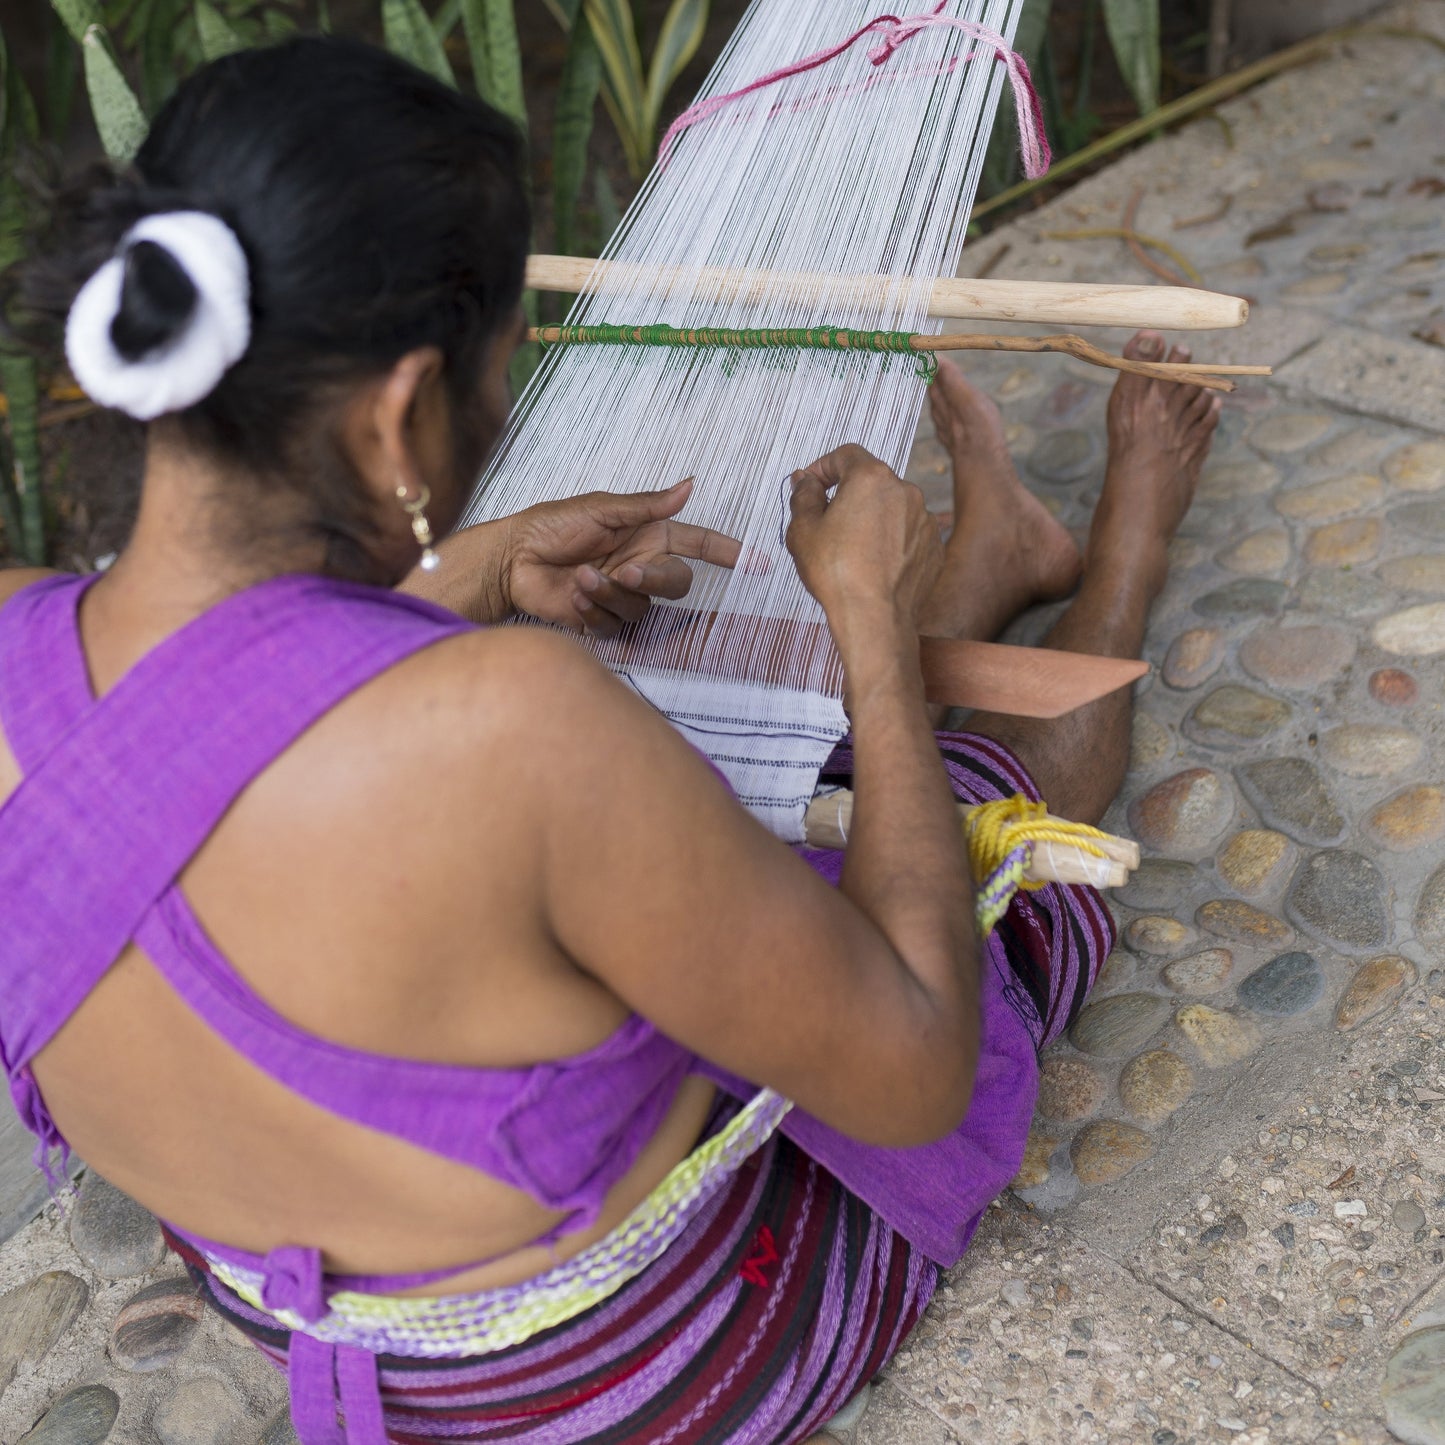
(894, 32)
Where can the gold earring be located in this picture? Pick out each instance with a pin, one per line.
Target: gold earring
(420, 527)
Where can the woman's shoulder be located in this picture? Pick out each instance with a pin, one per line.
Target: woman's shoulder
(17, 579)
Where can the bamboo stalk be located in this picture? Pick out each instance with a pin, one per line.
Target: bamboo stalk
(1171, 308)
(829, 821)
(1192, 373)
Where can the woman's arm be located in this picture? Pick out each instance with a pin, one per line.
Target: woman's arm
(860, 1005)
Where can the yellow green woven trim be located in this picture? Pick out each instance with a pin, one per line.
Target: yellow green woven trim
(453, 1326)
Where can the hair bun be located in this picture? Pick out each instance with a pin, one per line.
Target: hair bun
(157, 299)
(158, 326)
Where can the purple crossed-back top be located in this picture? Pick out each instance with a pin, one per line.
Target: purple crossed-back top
(119, 793)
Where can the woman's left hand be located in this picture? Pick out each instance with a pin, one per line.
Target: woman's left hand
(594, 563)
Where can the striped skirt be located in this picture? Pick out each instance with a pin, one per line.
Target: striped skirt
(788, 1292)
(784, 1297)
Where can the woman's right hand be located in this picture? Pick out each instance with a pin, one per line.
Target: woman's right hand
(873, 548)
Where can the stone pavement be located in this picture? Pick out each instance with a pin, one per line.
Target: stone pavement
(1230, 1221)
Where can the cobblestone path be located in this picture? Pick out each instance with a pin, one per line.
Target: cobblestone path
(1230, 1221)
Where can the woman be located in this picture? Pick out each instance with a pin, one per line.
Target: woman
(396, 963)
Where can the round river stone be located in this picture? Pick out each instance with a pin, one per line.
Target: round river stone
(1034, 1171)
(1378, 985)
(1069, 1089)
(1326, 501)
(1357, 448)
(1249, 597)
(1234, 480)
(1065, 456)
(1341, 594)
(112, 1233)
(33, 1317)
(1417, 468)
(1122, 1024)
(1184, 814)
(1414, 1389)
(1408, 820)
(1200, 973)
(1108, 1150)
(1290, 431)
(1296, 657)
(1285, 986)
(80, 1417)
(1415, 632)
(1150, 742)
(1254, 860)
(1233, 716)
(1194, 657)
(1370, 750)
(1154, 1085)
(1393, 687)
(1416, 574)
(156, 1324)
(1220, 1038)
(201, 1411)
(1158, 935)
(1421, 519)
(1344, 544)
(1261, 554)
(1290, 796)
(1430, 912)
(1243, 923)
(1340, 896)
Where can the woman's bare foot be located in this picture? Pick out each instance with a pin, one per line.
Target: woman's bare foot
(1159, 435)
(1006, 552)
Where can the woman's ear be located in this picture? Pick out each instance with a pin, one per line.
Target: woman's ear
(396, 428)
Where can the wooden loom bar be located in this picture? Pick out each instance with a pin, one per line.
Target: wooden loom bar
(1051, 303)
(1193, 373)
(829, 820)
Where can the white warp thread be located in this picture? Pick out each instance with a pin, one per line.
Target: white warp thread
(878, 181)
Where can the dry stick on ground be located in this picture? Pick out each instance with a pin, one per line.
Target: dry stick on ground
(1205, 218)
(1136, 243)
(1212, 377)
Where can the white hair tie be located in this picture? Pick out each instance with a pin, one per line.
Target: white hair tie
(188, 368)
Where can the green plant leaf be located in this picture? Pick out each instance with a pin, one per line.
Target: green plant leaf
(20, 380)
(61, 68)
(616, 37)
(677, 43)
(572, 124)
(409, 34)
(1133, 27)
(609, 208)
(78, 16)
(119, 119)
(491, 27)
(214, 32)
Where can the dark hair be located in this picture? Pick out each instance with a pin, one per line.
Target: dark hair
(379, 210)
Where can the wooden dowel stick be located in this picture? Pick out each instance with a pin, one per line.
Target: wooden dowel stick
(829, 820)
(1048, 303)
(1191, 373)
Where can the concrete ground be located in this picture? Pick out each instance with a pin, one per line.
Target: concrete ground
(1231, 1222)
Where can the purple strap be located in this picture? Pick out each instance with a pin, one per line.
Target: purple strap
(82, 798)
(323, 1377)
